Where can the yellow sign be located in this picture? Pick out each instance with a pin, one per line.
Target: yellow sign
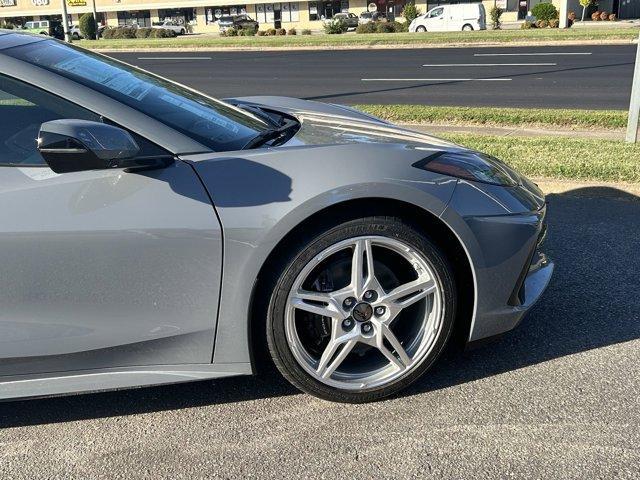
(77, 3)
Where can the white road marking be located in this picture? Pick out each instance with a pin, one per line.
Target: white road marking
(490, 65)
(174, 58)
(538, 54)
(436, 79)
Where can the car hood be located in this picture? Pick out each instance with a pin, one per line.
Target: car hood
(327, 124)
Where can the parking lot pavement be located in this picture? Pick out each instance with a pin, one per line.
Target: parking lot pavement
(556, 398)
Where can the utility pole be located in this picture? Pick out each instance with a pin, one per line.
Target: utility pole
(634, 105)
(95, 16)
(65, 22)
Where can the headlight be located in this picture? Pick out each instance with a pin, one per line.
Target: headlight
(474, 166)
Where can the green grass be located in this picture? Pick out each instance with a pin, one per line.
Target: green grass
(561, 158)
(571, 119)
(374, 39)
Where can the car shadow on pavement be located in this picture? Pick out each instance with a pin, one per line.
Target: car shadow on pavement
(590, 303)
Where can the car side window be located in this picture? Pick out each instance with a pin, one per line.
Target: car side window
(437, 12)
(23, 109)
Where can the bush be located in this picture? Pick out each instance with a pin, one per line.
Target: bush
(410, 12)
(335, 26)
(88, 26)
(604, 16)
(7, 26)
(613, 17)
(292, 31)
(542, 24)
(555, 23)
(545, 11)
(247, 32)
(281, 31)
(385, 27)
(366, 28)
(161, 33)
(595, 16)
(108, 33)
(143, 32)
(306, 31)
(495, 14)
(261, 33)
(271, 32)
(124, 32)
(526, 26)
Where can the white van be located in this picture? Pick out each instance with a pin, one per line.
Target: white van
(451, 18)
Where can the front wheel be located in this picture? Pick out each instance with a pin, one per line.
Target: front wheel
(467, 28)
(361, 310)
(182, 31)
(421, 29)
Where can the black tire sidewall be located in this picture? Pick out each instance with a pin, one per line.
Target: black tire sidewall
(391, 227)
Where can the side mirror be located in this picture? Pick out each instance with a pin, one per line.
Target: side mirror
(79, 145)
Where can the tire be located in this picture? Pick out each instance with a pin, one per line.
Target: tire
(283, 319)
(467, 28)
(75, 36)
(421, 29)
(182, 31)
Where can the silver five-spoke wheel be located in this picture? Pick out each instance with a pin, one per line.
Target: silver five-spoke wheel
(364, 312)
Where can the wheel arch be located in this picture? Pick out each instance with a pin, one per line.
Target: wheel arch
(439, 232)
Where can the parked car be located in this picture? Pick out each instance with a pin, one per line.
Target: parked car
(171, 25)
(239, 22)
(450, 18)
(366, 17)
(75, 32)
(157, 235)
(350, 19)
(52, 28)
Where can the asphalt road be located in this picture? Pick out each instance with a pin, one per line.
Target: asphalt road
(580, 77)
(556, 398)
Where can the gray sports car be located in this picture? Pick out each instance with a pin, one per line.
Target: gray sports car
(155, 235)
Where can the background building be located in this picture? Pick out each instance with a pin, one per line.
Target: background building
(201, 15)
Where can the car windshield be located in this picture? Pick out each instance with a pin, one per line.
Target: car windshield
(226, 19)
(215, 124)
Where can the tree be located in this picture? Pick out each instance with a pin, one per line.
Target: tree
(88, 26)
(410, 12)
(495, 13)
(585, 4)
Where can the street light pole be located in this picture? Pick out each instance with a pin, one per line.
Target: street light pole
(95, 16)
(65, 22)
(634, 105)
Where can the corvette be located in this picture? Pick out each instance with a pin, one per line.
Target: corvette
(151, 234)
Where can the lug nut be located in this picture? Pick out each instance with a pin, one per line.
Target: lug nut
(380, 311)
(347, 323)
(366, 328)
(349, 302)
(370, 295)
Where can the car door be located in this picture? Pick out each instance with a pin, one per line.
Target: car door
(435, 22)
(100, 269)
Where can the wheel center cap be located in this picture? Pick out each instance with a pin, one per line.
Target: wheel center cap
(362, 312)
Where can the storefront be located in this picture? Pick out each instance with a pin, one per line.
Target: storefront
(181, 16)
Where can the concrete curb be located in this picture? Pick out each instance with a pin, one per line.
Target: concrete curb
(515, 44)
(625, 191)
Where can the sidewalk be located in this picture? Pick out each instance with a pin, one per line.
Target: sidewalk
(517, 131)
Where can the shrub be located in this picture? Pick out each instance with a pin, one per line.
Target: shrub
(555, 23)
(161, 33)
(366, 28)
(108, 33)
(247, 32)
(143, 32)
(306, 31)
(384, 27)
(604, 16)
(335, 26)
(281, 31)
(231, 32)
(595, 16)
(261, 33)
(271, 32)
(292, 31)
(526, 26)
(495, 14)
(7, 26)
(613, 17)
(410, 12)
(545, 11)
(400, 26)
(124, 32)
(88, 26)
(542, 24)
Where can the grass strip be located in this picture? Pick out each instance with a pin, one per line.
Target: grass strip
(561, 158)
(373, 39)
(499, 117)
